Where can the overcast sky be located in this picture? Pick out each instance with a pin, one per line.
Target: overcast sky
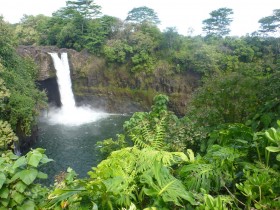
(182, 14)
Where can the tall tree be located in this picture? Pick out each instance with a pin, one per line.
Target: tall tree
(218, 23)
(270, 23)
(86, 8)
(143, 15)
(79, 10)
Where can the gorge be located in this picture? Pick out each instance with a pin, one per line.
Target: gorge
(111, 87)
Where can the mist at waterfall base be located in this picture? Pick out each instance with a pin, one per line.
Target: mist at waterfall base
(69, 133)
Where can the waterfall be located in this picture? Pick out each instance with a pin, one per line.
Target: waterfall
(64, 81)
(69, 113)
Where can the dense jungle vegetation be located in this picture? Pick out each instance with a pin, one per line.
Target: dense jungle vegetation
(223, 154)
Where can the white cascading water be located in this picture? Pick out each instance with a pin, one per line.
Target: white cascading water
(69, 113)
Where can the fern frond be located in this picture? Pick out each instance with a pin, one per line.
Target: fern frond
(145, 134)
(160, 133)
(198, 176)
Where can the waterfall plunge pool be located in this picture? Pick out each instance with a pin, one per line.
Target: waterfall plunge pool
(75, 146)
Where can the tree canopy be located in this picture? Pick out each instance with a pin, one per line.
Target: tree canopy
(86, 8)
(143, 15)
(218, 23)
(270, 23)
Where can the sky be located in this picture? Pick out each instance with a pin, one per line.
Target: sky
(185, 15)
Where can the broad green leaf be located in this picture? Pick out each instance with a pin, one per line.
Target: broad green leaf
(278, 157)
(17, 197)
(273, 149)
(45, 159)
(4, 193)
(20, 162)
(40, 150)
(12, 156)
(94, 207)
(4, 202)
(28, 175)
(20, 187)
(15, 177)
(34, 159)
(191, 155)
(258, 206)
(273, 135)
(29, 205)
(1, 160)
(42, 175)
(166, 187)
(2, 179)
(209, 201)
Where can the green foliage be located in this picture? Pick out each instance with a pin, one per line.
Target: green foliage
(107, 146)
(259, 190)
(273, 136)
(24, 101)
(129, 176)
(143, 45)
(7, 136)
(17, 177)
(117, 51)
(20, 101)
(235, 135)
(268, 112)
(213, 171)
(218, 23)
(4, 93)
(143, 15)
(32, 30)
(215, 203)
(225, 98)
(7, 43)
(149, 130)
(270, 23)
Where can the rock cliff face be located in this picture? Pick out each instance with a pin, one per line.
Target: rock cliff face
(111, 87)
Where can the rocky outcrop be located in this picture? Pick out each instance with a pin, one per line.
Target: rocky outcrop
(112, 87)
(41, 58)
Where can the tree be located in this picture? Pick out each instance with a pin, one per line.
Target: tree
(228, 97)
(218, 23)
(270, 23)
(171, 39)
(7, 44)
(79, 10)
(74, 26)
(32, 30)
(142, 15)
(86, 8)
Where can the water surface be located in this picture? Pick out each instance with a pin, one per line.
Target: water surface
(74, 146)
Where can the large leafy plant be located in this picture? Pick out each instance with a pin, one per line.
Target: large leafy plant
(7, 136)
(273, 136)
(142, 177)
(17, 180)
